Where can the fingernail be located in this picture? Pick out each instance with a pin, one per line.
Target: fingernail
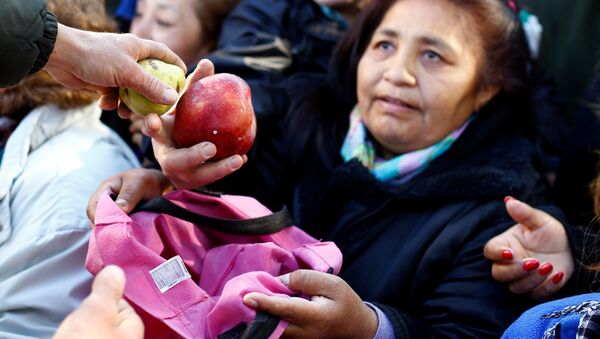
(507, 255)
(250, 302)
(169, 96)
(545, 268)
(285, 279)
(557, 277)
(530, 265)
(121, 202)
(235, 162)
(209, 150)
(507, 198)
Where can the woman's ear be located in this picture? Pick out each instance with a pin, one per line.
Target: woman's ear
(485, 94)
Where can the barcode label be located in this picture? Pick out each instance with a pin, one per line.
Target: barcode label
(169, 273)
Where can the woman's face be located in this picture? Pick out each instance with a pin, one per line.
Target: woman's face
(172, 22)
(417, 80)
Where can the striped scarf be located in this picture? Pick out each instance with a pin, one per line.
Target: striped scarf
(402, 167)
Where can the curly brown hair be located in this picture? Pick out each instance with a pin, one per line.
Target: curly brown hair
(40, 88)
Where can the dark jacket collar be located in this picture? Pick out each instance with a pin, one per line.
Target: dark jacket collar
(490, 160)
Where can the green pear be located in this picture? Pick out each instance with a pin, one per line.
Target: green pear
(170, 74)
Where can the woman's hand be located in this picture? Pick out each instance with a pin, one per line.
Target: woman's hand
(533, 256)
(334, 309)
(103, 314)
(131, 187)
(188, 167)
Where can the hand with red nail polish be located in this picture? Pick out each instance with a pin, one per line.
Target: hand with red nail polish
(526, 254)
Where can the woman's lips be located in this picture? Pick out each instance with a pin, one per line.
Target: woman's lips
(395, 105)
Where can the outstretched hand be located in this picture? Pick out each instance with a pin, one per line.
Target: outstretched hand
(533, 256)
(188, 167)
(106, 61)
(334, 309)
(104, 313)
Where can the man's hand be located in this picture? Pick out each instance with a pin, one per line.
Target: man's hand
(106, 61)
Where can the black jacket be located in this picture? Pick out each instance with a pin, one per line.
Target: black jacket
(267, 41)
(415, 249)
(27, 35)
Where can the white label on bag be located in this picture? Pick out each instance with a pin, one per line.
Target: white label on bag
(169, 273)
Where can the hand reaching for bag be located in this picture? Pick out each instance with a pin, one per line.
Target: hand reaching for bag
(130, 187)
(334, 309)
(533, 256)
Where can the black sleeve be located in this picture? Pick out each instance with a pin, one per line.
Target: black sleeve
(253, 46)
(27, 35)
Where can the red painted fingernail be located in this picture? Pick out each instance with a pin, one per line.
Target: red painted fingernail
(530, 265)
(507, 255)
(545, 268)
(558, 277)
(507, 198)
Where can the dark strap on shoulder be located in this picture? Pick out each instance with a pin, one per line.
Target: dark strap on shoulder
(257, 226)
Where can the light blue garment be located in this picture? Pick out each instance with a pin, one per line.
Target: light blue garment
(557, 319)
(53, 162)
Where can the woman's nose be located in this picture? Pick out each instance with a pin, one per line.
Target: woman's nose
(400, 71)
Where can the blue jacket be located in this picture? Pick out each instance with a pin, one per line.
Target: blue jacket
(416, 249)
(577, 316)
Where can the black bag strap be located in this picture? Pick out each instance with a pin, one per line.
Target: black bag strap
(261, 327)
(256, 226)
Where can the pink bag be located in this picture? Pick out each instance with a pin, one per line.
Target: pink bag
(187, 278)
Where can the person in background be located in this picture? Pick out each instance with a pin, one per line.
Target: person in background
(55, 152)
(403, 152)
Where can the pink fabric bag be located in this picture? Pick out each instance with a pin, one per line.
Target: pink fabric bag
(187, 278)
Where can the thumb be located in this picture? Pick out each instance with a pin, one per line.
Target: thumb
(526, 215)
(150, 86)
(109, 284)
(130, 194)
(313, 283)
(159, 128)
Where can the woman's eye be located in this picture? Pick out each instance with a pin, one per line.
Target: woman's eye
(164, 23)
(384, 45)
(432, 56)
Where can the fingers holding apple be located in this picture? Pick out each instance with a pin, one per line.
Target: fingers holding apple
(211, 128)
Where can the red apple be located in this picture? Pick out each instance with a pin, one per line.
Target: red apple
(217, 108)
